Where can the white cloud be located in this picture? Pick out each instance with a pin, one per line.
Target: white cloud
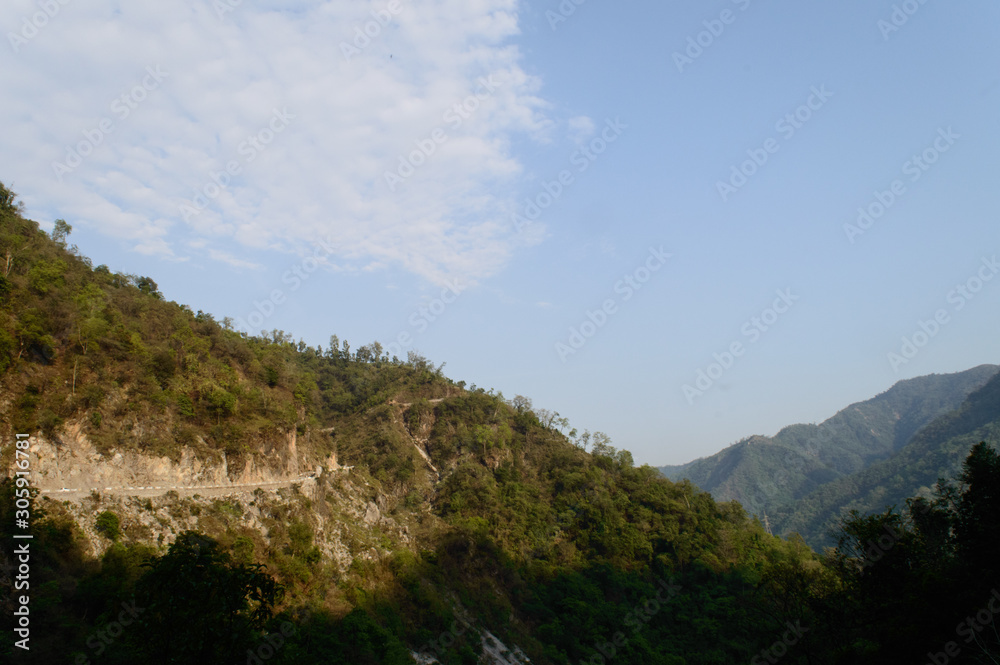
(347, 122)
(226, 257)
(580, 128)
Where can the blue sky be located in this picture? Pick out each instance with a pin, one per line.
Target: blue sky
(224, 148)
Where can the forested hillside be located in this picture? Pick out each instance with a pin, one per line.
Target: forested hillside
(784, 476)
(468, 529)
(934, 452)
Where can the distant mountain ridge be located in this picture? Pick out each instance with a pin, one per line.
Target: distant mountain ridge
(805, 475)
(936, 451)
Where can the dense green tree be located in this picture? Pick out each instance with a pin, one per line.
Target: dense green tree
(60, 232)
(109, 525)
(200, 606)
(911, 577)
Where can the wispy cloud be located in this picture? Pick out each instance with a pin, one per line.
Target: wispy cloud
(323, 173)
(581, 128)
(226, 257)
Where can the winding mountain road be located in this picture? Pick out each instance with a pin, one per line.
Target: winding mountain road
(182, 490)
(205, 490)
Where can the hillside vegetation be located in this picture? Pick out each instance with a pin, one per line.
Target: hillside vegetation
(934, 452)
(806, 477)
(473, 530)
(85, 344)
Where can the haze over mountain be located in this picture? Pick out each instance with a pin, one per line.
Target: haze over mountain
(870, 454)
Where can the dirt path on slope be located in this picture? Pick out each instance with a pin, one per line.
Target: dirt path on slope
(74, 493)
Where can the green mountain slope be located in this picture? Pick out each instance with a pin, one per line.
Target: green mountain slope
(416, 520)
(935, 452)
(462, 517)
(770, 474)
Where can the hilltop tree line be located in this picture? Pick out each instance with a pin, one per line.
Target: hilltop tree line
(83, 343)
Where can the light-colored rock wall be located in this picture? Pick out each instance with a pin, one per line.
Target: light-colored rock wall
(71, 461)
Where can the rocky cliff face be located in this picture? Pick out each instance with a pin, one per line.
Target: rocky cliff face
(249, 502)
(157, 498)
(71, 461)
(346, 525)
